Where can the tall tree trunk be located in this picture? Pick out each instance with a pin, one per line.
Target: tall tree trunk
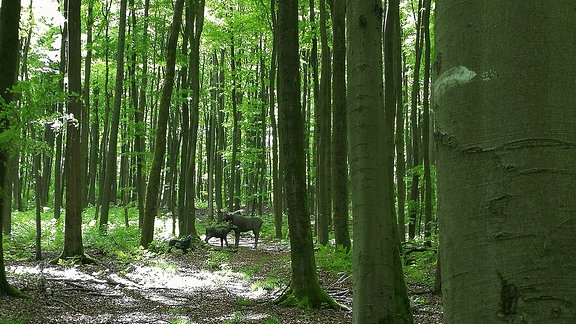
(323, 123)
(234, 164)
(85, 126)
(185, 122)
(9, 24)
(194, 72)
(505, 161)
(276, 177)
(87, 129)
(153, 188)
(73, 246)
(304, 288)
(339, 141)
(392, 45)
(111, 157)
(58, 165)
(415, 133)
(139, 143)
(375, 241)
(400, 133)
(426, 125)
(220, 140)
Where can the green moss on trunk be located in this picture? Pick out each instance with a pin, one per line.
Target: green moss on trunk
(307, 299)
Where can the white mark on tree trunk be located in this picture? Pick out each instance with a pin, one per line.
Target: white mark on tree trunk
(453, 77)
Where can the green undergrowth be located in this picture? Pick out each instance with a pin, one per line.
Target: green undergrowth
(420, 263)
(334, 260)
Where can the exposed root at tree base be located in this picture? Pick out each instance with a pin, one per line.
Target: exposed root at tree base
(77, 259)
(307, 299)
(8, 290)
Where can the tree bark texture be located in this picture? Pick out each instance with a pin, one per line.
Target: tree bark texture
(304, 289)
(374, 239)
(73, 246)
(340, 194)
(503, 93)
(9, 24)
(323, 122)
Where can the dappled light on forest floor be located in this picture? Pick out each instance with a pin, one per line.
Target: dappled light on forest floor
(207, 285)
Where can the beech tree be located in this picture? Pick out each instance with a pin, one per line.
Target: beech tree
(305, 289)
(379, 291)
(503, 97)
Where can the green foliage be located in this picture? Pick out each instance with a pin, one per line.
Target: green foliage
(242, 301)
(272, 320)
(420, 265)
(216, 259)
(270, 284)
(119, 242)
(238, 317)
(334, 260)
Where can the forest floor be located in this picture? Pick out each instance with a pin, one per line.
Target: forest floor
(207, 285)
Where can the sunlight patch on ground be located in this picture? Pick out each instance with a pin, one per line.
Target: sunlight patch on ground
(68, 273)
(149, 277)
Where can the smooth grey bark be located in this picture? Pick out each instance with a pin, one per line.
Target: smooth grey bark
(504, 102)
(375, 241)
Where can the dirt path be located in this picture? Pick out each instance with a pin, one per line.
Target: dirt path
(209, 285)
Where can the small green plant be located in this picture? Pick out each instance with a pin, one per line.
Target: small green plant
(216, 259)
(272, 320)
(238, 317)
(420, 269)
(334, 260)
(270, 284)
(242, 301)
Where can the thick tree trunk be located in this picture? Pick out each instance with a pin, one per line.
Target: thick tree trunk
(153, 188)
(73, 246)
(375, 253)
(9, 24)
(392, 45)
(304, 289)
(505, 160)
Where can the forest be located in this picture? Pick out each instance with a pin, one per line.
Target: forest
(284, 161)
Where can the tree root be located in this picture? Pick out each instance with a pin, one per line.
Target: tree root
(307, 299)
(77, 259)
(8, 290)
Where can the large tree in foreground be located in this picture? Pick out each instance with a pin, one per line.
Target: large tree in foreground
(506, 137)
(305, 291)
(9, 24)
